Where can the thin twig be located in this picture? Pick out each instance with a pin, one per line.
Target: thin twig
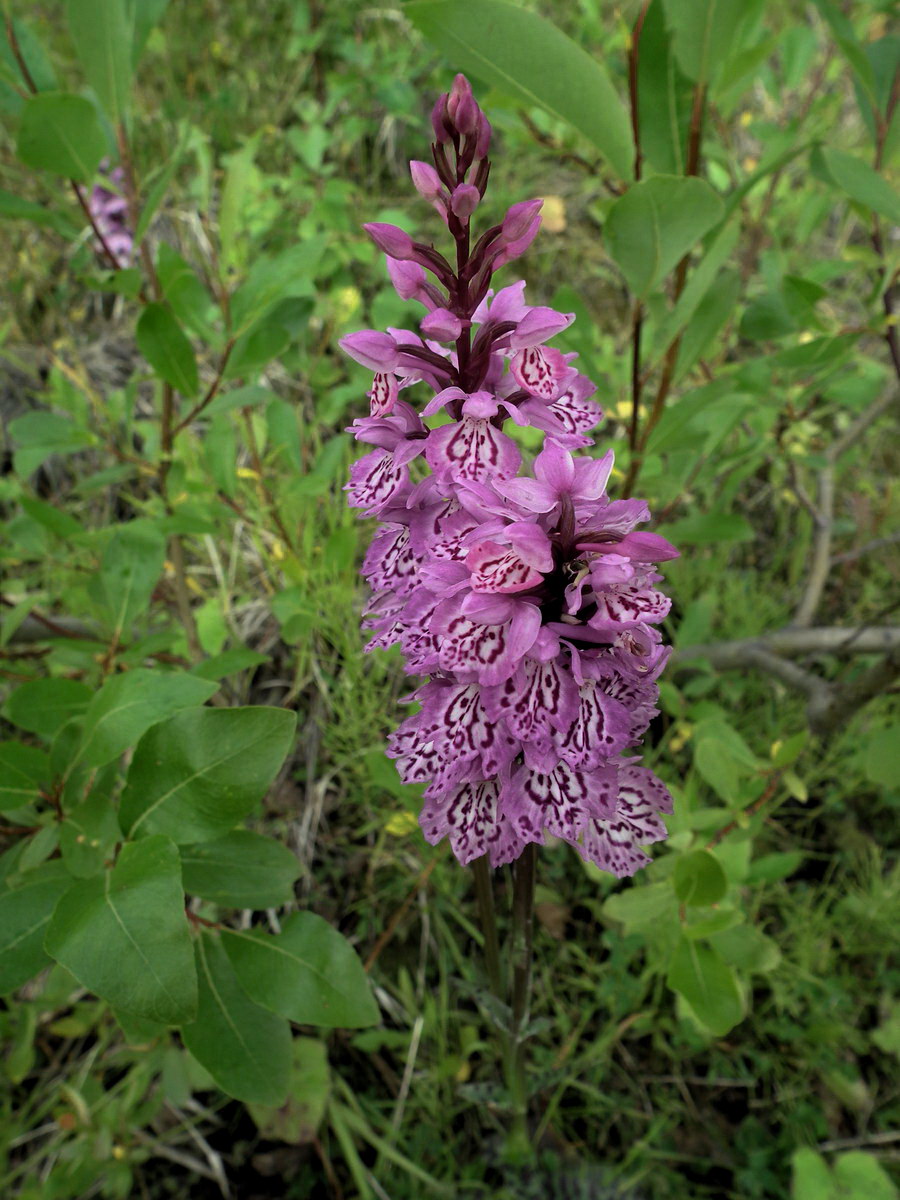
(211, 392)
(751, 810)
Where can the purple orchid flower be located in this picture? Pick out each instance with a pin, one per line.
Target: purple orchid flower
(530, 600)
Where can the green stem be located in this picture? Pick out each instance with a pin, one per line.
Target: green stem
(484, 891)
(519, 1146)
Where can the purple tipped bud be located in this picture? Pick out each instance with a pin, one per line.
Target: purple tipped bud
(407, 278)
(465, 200)
(461, 106)
(441, 325)
(484, 136)
(537, 326)
(518, 219)
(425, 179)
(391, 239)
(377, 351)
(439, 120)
(519, 246)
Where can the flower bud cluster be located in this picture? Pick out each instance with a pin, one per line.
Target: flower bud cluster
(529, 600)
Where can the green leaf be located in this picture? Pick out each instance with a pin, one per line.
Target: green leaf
(198, 774)
(709, 529)
(700, 974)
(37, 435)
(240, 870)
(185, 293)
(664, 96)
(60, 132)
(145, 14)
(24, 771)
(309, 972)
(297, 1121)
(132, 564)
(88, 835)
(124, 935)
(703, 33)
(718, 306)
(810, 1177)
(17, 208)
(101, 32)
(698, 878)
(747, 948)
(656, 222)
(860, 1176)
(127, 705)
(245, 1048)
(229, 662)
(273, 278)
(43, 706)
(163, 343)
(860, 181)
(533, 62)
(25, 912)
(879, 756)
(641, 907)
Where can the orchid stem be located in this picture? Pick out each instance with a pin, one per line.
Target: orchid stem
(519, 1147)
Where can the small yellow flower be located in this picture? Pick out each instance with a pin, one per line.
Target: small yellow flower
(553, 214)
(401, 823)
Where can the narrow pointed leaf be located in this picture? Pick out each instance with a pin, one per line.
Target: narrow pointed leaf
(102, 35)
(166, 348)
(535, 63)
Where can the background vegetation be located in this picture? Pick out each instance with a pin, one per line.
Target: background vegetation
(261, 137)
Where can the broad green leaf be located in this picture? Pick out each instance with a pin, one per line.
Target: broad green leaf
(163, 343)
(131, 566)
(43, 706)
(101, 32)
(708, 984)
(60, 132)
(641, 907)
(747, 948)
(187, 296)
(533, 62)
(771, 867)
(37, 435)
(240, 870)
(17, 208)
(245, 1048)
(34, 55)
(810, 1177)
(198, 774)
(229, 662)
(60, 523)
(25, 912)
(861, 182)
(127, 705)
(860, 1176)
(709, 529)
(88, 835)
(234, 189)
(145, 14)
(703, 34)
(698, 878)
(664, 96)
(273, 278)
(879, 756)
(125, 936)
(715, 310)
(297, 1121)
(309, 972)
(24, 771)
(656, 222)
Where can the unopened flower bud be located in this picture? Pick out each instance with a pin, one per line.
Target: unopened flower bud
(425, 179)
(465, 200)
(391, 239)
(484, 136)
(377, 351)
(441, 325)
(439, 120)
(407, 278)
(519, 246)
(518, 219)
